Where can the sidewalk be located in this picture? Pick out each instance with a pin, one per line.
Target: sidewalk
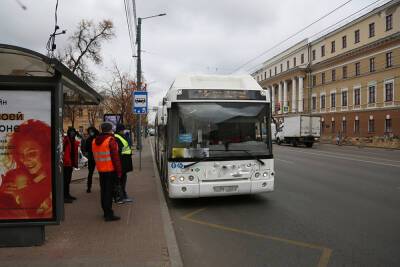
(84, 239)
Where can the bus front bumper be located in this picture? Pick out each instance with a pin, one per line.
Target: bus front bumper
(222, 188)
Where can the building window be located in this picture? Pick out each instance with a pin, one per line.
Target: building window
(333, 47)
(371, 94)
(389, 92)
(323, 78)
(294, 62)
(314, 103)
(344, 41)
(322, 101)
(371, 125)
(344, 127)
(372, 64)
(287, 64)
(302, 58)
(323, 51)
(270, 72)
(389, 22)
(275, 70)
(333, 100)
(281, 67)
(344, 98)
(333, 126)
(388, 125)
(344, 72)
(333, 75)
(357, 67)
(389, 61)
(313, 54)
(356, 126)
(356, 36)
(314, 80)
(357, 97)
(371, 29)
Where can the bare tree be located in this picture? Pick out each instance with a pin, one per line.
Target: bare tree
(119, 96)
(85, 47)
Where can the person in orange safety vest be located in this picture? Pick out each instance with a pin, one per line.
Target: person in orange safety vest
(108, 164)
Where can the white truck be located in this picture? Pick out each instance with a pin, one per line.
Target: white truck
(299, 129)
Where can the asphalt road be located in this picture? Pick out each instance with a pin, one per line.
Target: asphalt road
(332, 206)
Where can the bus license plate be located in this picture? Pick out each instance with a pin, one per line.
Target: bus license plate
(230, 188)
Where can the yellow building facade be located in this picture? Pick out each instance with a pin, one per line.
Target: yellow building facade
(351, 77)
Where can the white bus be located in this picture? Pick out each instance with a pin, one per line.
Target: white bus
(213, 137)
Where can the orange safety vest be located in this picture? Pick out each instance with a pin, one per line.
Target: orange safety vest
(102, 156)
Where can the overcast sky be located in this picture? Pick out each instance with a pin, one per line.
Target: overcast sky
(196, 36)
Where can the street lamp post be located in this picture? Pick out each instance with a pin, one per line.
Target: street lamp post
(139, 82)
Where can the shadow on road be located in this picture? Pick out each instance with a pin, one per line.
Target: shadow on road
(226, 201)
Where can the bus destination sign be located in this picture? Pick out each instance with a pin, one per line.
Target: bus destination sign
(220, 94)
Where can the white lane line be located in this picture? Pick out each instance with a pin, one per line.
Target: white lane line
(347, 158)
(350, 154)
(286, 161)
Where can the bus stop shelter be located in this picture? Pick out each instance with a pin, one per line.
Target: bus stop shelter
(33, 91)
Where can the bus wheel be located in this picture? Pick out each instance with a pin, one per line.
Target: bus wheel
(309, 144)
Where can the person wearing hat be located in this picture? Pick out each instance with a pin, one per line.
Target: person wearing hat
(106, 156)
(70, 161)
(93, 133)
(125, 153)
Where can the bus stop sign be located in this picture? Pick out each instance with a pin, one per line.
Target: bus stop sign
(140, 102)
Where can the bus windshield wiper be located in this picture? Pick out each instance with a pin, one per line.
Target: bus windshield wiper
(193, 163)
(248, 153)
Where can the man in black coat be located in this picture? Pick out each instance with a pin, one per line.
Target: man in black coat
(93, 133)
(125, 153)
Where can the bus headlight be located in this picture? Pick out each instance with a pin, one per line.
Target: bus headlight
(257, 174)
(182, 178)
(265, 174)
(191, 177)
(172, 178)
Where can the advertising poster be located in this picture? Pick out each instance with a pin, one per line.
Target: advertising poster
(25, 155)
(114, 119)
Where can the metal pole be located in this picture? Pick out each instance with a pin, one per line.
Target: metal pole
(139, 88)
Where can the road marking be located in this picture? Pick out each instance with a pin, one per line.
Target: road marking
(286, 161)
(348, 154)
(353, 159)
(323, 260)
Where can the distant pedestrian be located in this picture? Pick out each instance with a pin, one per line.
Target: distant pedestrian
(92, 134)
(71, 157)
(105, 153)
(125, 153)
(338, 139)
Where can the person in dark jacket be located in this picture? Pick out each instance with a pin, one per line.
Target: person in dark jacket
(108, 164)
(71, 146)
(93, 133)
(125, 153)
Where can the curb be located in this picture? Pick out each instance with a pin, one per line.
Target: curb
(172, 244)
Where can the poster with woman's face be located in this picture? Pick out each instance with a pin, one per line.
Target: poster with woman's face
(25, 155)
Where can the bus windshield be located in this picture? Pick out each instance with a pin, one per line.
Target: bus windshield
(219, 130)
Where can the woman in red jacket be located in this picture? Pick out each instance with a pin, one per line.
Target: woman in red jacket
(70, 161)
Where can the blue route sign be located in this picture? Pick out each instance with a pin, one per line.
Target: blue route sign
(140, 102)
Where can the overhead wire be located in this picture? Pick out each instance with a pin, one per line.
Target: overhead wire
(291, 36)
(129, 24)
(328, 28)
(51, 42)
